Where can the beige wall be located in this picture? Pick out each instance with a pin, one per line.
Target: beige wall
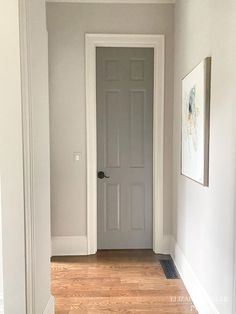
(204, 216)
(67, 25)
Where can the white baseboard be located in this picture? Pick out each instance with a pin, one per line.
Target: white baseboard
(199, 296)
(49, 309)
(164, 247)
(1, 304)
(62, 246)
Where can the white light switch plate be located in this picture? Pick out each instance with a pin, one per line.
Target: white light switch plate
(77, 156)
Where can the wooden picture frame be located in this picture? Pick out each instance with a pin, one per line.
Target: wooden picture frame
(195, 123)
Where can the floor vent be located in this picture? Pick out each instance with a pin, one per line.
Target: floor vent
(169, 269)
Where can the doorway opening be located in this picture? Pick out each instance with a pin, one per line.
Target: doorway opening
(124, 96)
(156, 43)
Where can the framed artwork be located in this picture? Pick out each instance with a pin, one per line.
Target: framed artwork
(195, 123)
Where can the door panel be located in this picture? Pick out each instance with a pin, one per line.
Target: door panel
(137, 204)
(124, 147)
(137, 128)
(112, 206)
(112, 129)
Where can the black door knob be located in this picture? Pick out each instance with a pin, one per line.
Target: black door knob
(101, 175)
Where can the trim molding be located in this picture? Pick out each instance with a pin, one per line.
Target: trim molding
(28, 160)
(62, 246)
(25, 47)
(234, 275)
(1, 304)
(165, 246)
(199, 296)
(157, 42)
(234, 286)
(49, 309)
(117, 1)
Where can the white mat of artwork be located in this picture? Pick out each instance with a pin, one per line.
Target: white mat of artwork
(195, 123)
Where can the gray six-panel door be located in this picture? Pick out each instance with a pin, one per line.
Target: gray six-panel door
(124, 147)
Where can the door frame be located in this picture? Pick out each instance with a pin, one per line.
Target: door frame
(157, 42)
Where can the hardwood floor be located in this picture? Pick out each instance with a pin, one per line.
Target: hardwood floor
(125, 281)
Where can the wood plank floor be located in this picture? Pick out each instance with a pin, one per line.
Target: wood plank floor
(125, 281)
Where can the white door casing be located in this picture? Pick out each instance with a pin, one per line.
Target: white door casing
(35, 140)
(160, 242)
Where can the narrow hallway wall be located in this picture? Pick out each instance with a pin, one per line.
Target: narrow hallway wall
(204, 216)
